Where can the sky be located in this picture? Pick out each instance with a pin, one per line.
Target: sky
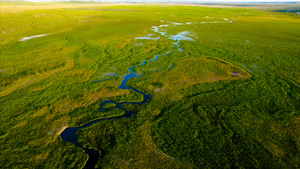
(203, 1)
(206, 0)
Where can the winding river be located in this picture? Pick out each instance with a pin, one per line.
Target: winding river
(69, 134)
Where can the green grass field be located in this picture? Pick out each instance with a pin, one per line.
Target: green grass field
(230, 99)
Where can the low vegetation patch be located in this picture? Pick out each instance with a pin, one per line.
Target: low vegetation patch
(225, 97)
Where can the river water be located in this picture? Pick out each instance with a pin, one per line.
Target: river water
(31, 37)
(69, 134)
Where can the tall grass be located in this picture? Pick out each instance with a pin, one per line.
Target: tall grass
(229, 99)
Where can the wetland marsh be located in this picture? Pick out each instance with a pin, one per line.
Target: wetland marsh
(148, 86)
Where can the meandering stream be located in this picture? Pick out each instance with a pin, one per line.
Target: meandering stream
(69, 134)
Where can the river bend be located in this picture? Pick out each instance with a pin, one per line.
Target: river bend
(69, 134)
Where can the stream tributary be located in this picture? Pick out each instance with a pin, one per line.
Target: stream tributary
(70, 133)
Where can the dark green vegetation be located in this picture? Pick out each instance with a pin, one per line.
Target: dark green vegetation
(229, 99)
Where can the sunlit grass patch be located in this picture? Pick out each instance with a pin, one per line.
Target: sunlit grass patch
(192, 71)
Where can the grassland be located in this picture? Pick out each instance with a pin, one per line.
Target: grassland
(229, 99)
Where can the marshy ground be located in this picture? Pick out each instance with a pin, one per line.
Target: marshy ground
(228, 96)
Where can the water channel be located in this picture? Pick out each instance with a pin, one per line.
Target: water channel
(69, 133)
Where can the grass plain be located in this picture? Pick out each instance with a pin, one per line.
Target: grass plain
(230, 99)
